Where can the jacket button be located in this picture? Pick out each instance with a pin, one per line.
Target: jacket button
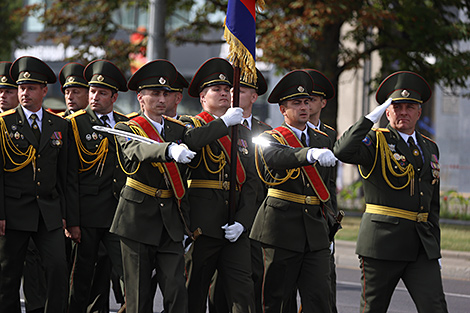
(114, 180)
(226, 202)
(39, 183)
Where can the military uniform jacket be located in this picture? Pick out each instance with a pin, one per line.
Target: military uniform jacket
(141, 217)
(286, 224)
(36, 188)
(388, 237)
(210, 207)
(95, 201)
(332, 134)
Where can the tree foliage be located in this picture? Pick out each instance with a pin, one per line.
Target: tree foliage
(11, 18)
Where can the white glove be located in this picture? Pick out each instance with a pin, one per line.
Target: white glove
(180, 153)
(324, 156)
(440, 263)
(377, 113)
(186, 246)
(332, 247)
(233, 231)
(233, 116)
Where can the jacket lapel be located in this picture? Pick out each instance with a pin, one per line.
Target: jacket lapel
(401, 146)
(423, 144)
(24, 128)
(47, 129)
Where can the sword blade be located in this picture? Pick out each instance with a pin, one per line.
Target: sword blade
(124, 134)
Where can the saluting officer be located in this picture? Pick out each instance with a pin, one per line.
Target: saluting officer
(290, 223)
(149, 219)
(399, 237)
(33, 177)
(74, 87)
(221, 247)
(100, 178)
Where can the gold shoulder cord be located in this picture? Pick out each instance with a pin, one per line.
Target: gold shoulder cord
(206, 150)
(137, 131)
(387, 158)
(277, 181)
(29, 154)
(100, 154)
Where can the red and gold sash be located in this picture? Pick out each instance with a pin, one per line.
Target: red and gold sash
(310, 171)
(171, 168)
(226, 144)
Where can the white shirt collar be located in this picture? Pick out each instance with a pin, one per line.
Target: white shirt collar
(28, 113)
(299, 132)
(110, 116)
(406, 136)
(157, 125)
(310, 124)
(249, 121)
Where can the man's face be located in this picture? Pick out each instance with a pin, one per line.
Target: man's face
(153, 101)
(101, 100)
(404, 116)
(248, 96)
(296, 112)
(172, 101)
(76, 98)
(317, 103)
(31, 96)
(8, 99)
(215, 98)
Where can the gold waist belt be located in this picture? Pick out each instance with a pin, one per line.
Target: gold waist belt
(384, 210)
(153, 192)
(209, 184)
(289, 196)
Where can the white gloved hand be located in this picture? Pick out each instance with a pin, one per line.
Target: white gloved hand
(332, 247)
(187, 242)
(440, 263)
(233, 116)
(180, 153)
(233, 231)
(324, 156)
(377, 113)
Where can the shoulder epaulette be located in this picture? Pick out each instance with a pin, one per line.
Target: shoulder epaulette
(383, 130)
(264, 123)
(61, 114)
(56, 114)
(119, 113)
(132, 114)
(428, 138)
(319, 131)
(11, 111)
(174, 121)
(328, 126)
(75, 114)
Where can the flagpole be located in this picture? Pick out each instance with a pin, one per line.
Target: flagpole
(234, 151)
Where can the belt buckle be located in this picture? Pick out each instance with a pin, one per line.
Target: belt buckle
(158, 193)
(225, 185)
(308, 200)
(421, 217)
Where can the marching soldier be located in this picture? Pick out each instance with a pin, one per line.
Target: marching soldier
(221, 247)
(399, 237)
(33, 178)
(290, 223)
(149, 219)
(74, 87)
(249, 93)
(100, 178)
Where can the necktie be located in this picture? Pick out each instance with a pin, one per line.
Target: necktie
(245, 123)
(35, 127)
(415, 151)
(303, 140)
(104, 119)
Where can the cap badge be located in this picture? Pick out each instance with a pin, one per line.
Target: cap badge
(26, 75)
(100, 78)
(405, 93)
(301, 89)
(222, 77)
(4, 79)
(162, 81)
(70, 79)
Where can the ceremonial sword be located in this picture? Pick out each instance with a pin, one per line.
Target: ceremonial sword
(124, 134)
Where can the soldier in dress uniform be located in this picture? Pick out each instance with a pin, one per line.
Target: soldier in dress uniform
(249, 93)
(8, 88)
(221, 247)
(399, 236)
(176, 96)
(74, 87)
(149, 219)
(100, 179)
(290, 223)
(33, 178)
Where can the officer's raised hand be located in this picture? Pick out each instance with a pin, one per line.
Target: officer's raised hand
(377, 113)
(325, 157)
(233, 116)
(180, 153)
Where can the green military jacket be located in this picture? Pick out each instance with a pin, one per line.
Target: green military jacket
(139, 216)
(99, 176)
(389, 237)
(209, 208)
(286, 224)
(36, 187)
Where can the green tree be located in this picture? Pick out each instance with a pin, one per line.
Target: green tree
(11, 18)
